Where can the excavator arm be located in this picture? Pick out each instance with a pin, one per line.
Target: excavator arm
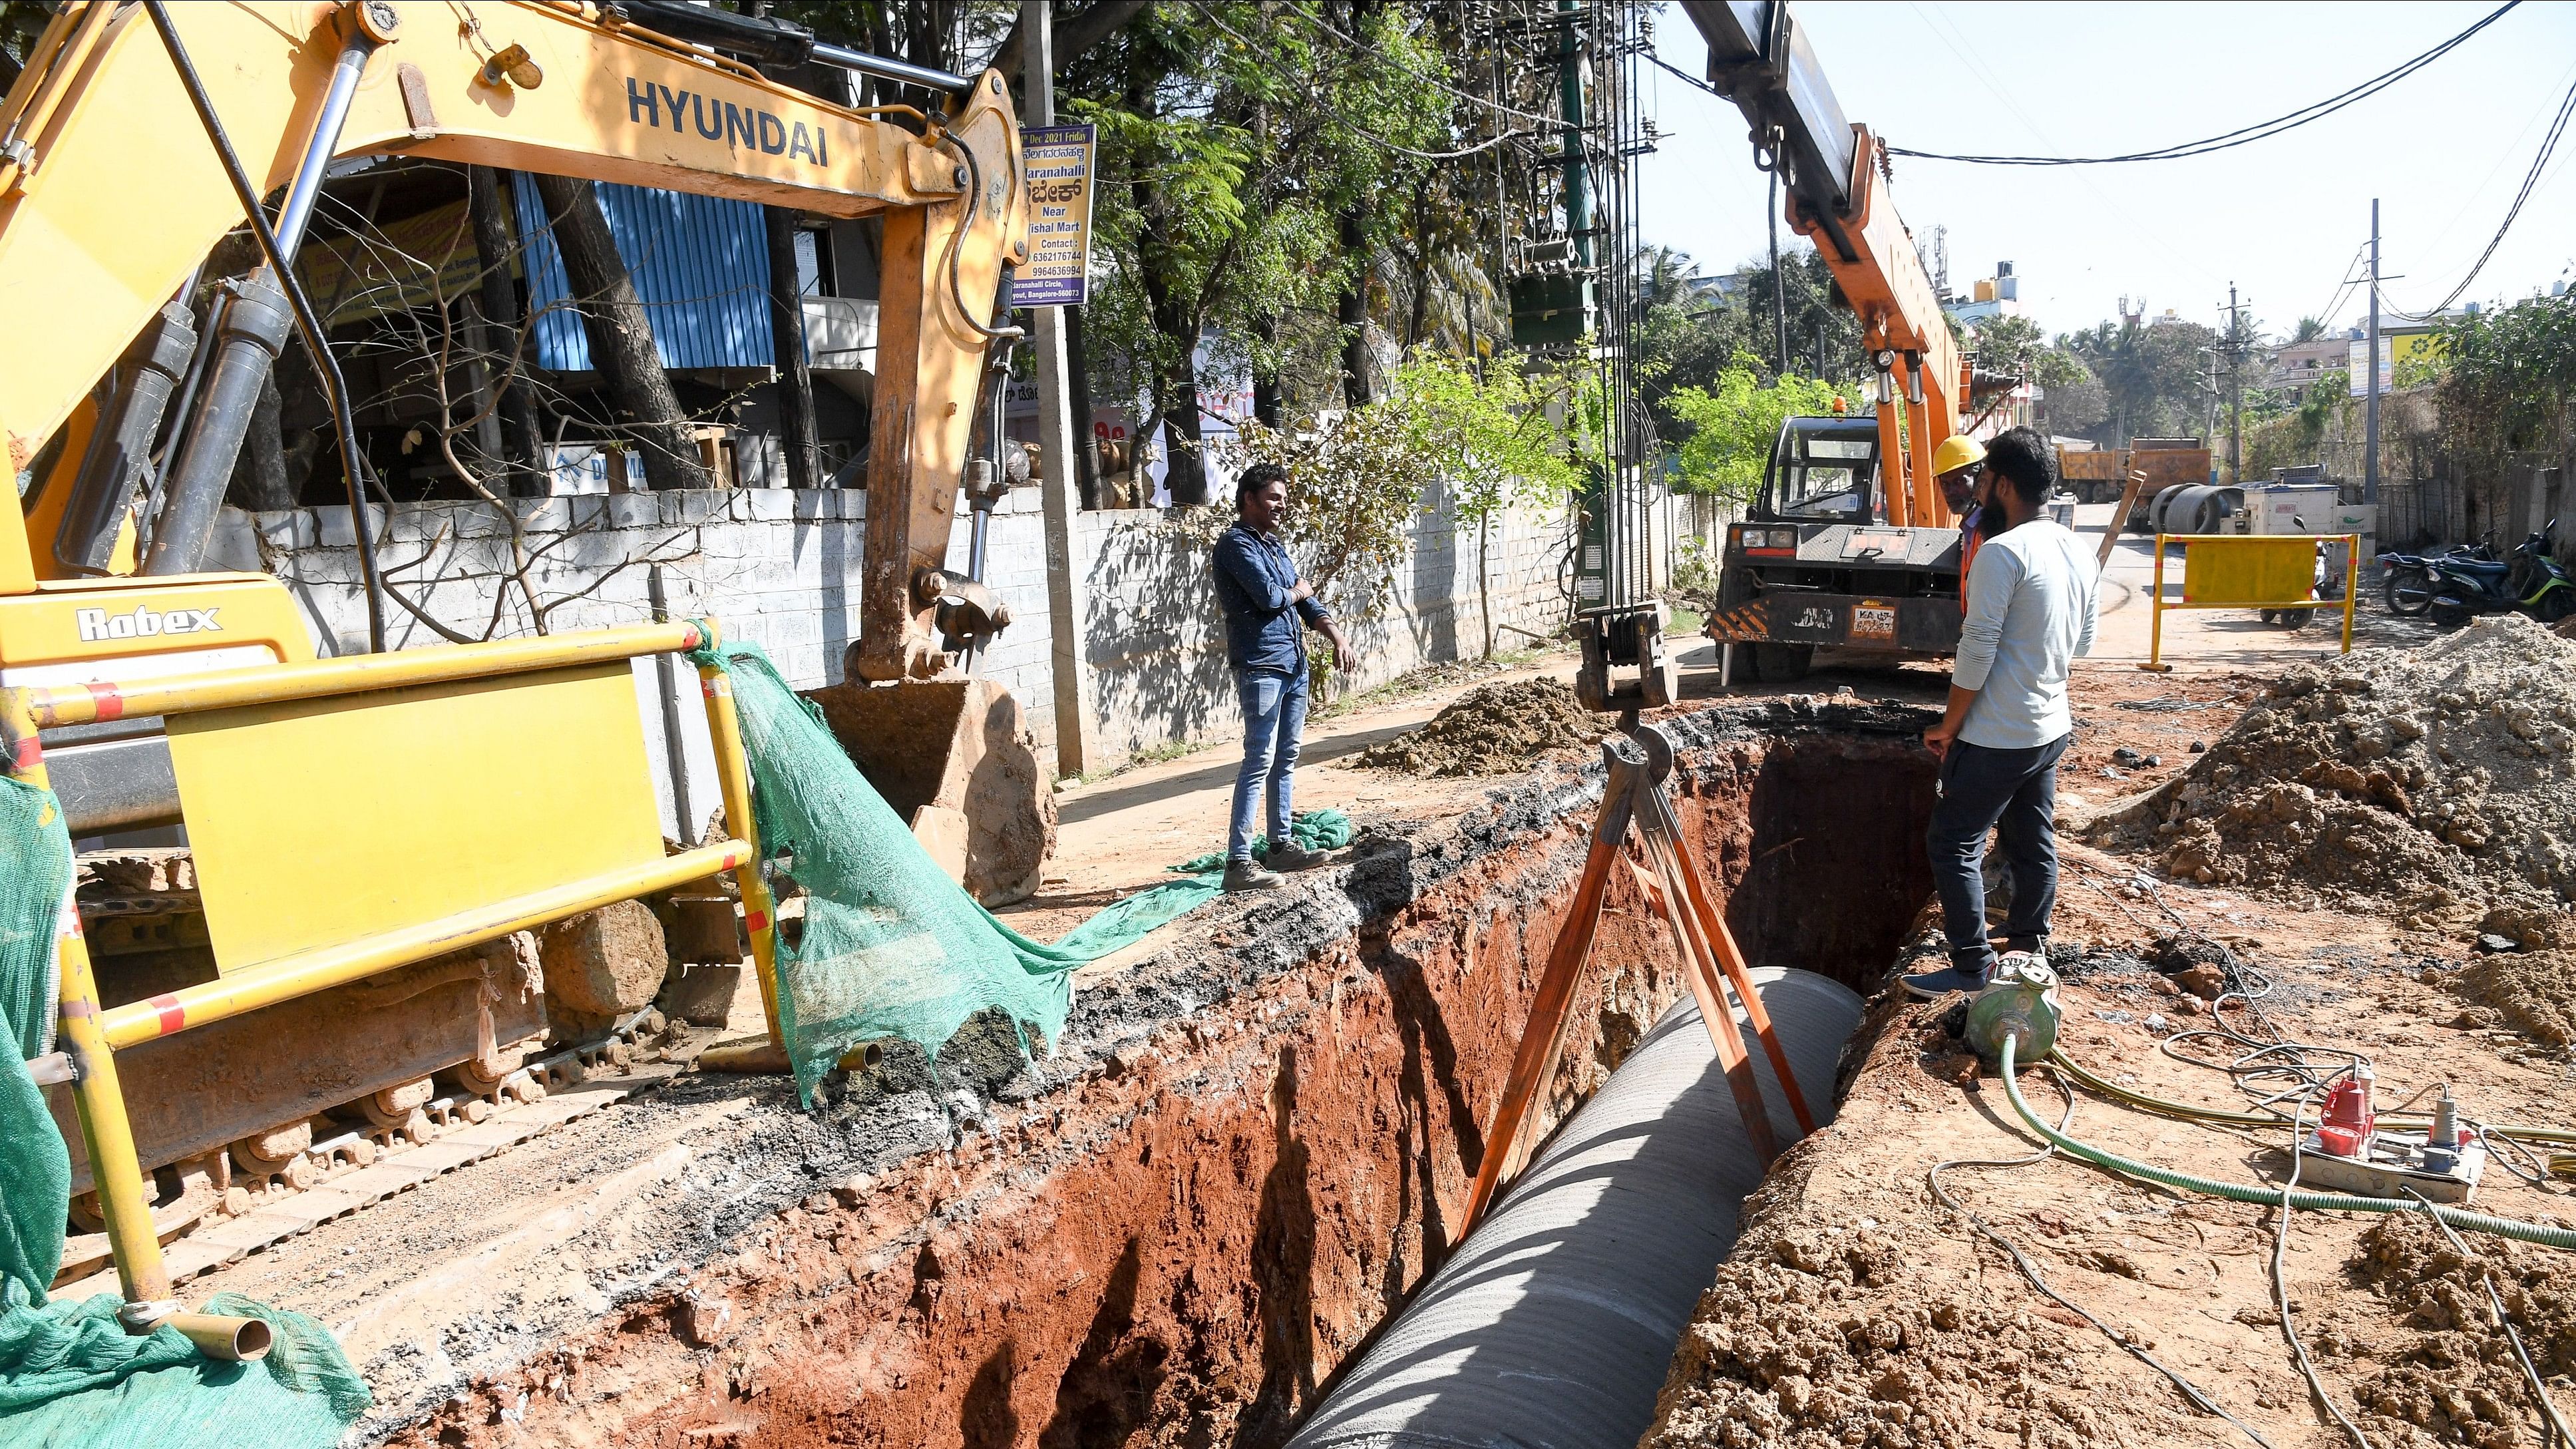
(411, 812)
(111, 196)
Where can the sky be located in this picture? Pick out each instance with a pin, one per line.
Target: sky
(2444, 149)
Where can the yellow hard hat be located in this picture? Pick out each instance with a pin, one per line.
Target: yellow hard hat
(1956, 453)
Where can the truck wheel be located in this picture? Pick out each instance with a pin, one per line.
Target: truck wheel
(1783, 663)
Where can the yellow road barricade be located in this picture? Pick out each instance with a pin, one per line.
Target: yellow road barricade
(352, 815)
(2248, 571)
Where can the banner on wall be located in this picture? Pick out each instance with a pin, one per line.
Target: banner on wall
(1057, 161)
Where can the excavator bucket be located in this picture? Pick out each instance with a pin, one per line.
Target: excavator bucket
(955, 760)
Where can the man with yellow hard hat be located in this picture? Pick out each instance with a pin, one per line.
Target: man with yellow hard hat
(1959, 465)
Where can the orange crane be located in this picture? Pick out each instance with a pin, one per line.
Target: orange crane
(1849, 543)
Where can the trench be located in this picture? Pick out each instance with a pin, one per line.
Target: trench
(1250, 1150)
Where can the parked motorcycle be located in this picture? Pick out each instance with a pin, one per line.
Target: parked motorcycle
(2532, 581)
(2406, 579)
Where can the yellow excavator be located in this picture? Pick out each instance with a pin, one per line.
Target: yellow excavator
(364, 834)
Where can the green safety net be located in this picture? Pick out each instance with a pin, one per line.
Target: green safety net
(890, 946)
(1201, 880)
(71, 1377)
(35, 1168)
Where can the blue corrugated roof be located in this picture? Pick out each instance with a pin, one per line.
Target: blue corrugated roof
(700, 264)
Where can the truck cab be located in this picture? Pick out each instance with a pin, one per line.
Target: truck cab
(1815, 564)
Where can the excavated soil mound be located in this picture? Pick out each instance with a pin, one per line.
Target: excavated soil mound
(2433, 781)
(2533, 993)
(2532, 989)
(1822, 1343)
(2456, 1382)
(1493, 729)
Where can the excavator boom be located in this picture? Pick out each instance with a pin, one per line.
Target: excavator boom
(101, 121)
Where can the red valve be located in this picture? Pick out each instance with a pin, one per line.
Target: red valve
(2348, 1122)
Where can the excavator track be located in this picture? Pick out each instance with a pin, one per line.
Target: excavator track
(418, 1072)
(215, 1210)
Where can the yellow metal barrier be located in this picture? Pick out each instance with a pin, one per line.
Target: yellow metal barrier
(250, 700)
(2248, 571)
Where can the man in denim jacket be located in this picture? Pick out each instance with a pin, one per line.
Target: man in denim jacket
(1267, 611)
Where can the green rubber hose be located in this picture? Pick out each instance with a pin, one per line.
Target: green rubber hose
(2563, 1238)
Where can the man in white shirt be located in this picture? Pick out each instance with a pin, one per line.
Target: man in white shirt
(2030, 596)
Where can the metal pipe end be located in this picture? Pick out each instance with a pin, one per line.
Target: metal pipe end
(221, 1336)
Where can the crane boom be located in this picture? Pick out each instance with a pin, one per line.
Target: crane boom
(1759, 57)
(1868, 556)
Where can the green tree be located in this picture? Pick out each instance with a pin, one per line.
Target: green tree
(2282, 433)
(1237, 141)
(1690, 343)
(1489, 441)
(2007, 342)
(2153, 377)
(2510, 377)
(1735, 424)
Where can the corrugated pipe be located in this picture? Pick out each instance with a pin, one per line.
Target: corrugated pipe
(1554, 1323)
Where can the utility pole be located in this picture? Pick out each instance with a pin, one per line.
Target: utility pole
(1569, 81)
(2235, 390)
(1076, 749)
(2370, 370)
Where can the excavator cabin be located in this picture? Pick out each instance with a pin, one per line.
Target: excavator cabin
(1816, 564)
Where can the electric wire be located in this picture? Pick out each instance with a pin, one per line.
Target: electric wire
(2351, 279)
(2243, 135)
(2549, 1417)
(1364, 48)
(2530, 180)
(2199, 1398)
(2281, 1293)
(2146, 223)
(2503, 153)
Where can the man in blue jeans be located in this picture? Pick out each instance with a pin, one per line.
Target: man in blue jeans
(1267, 611)
(2030, 595)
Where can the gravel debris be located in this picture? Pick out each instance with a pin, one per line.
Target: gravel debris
(2456, 1382)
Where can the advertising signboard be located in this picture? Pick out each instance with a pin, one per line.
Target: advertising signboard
(1058, 161)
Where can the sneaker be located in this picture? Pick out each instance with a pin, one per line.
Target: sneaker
(1243, 875)
(1933, 985)
(1293, 857)
(2027, 945)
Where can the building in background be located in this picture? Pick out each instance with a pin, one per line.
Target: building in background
(1988, 298)
(396, 274)
(2296, 364)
